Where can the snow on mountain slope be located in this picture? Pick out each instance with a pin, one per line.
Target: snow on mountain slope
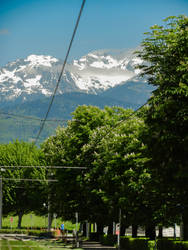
(93, 73)
(104, 69)
(35, 60)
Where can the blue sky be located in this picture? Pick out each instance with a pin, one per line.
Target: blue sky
(45, 26)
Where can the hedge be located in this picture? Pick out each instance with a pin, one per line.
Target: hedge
(38, 233)
(172, 245)
(13, 231)
(108, 240)
(134, 243)
(126, 242)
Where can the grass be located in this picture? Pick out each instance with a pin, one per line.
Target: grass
(19, 245)
(34, 221)
(28, 245)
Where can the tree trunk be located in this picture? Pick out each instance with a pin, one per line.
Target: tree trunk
(110, 229)
(94, 227)
(123, 228)
(185, 225)
(84, 229)
(50, 219)
(160, 236)
(134, 230)
(150, 232)
(20, 215)
(99, 229)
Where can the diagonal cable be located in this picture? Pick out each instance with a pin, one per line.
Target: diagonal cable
(61, 73)
(32, 117)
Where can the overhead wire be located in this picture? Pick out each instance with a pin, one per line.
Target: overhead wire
(46, 167)
(131, 115)
(20, 179)
(3, 168)
(32, 117)
(124, 120)
(61, 73)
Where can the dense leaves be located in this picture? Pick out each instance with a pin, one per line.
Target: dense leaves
(140, 167)
(108, 144)
(21, 197)
(166, 51)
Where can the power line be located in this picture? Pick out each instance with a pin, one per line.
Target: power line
(121, 121)
(48, 167)
(32, 118)
(131, 115)
(15, 179)
(61, 73)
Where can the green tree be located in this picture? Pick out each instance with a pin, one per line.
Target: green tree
(166, 52)
(118, 174)
(66, 148)
(21, 197)
(108, 143)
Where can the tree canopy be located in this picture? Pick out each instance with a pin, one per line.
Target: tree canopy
(21, 197)
(166, 52)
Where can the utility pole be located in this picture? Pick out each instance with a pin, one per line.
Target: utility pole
(119, 233)
(77, 242)
(49, 216)
(1, 200)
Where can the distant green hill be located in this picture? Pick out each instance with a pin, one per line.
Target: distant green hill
(23, 128)
(12, 128)
(130, 95)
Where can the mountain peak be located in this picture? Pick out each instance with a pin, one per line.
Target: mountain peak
(93, 73)
(36, 60)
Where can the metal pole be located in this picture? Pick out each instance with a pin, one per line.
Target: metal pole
(31, 217)
(87, 229)
(49, 216)
(181, 229)
(1, 201)
(114, 228)
(155, 247)
(119, 233)
(77, 243)
(174, 231)
(55, 216)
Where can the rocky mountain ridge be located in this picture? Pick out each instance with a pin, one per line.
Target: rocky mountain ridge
(36, 76)
(100, 78)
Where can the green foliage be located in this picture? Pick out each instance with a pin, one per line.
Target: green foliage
(21, 197)
(134, 244)
(40, 233)
(117, 175)
(34, 232)
(108, 240)
(13, 231)
(165, 49)
(108, 143)
(172, 245)
(65, 148)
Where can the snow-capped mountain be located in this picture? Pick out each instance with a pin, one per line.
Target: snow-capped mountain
(100, 78)
(94, 73)
(101, 70)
